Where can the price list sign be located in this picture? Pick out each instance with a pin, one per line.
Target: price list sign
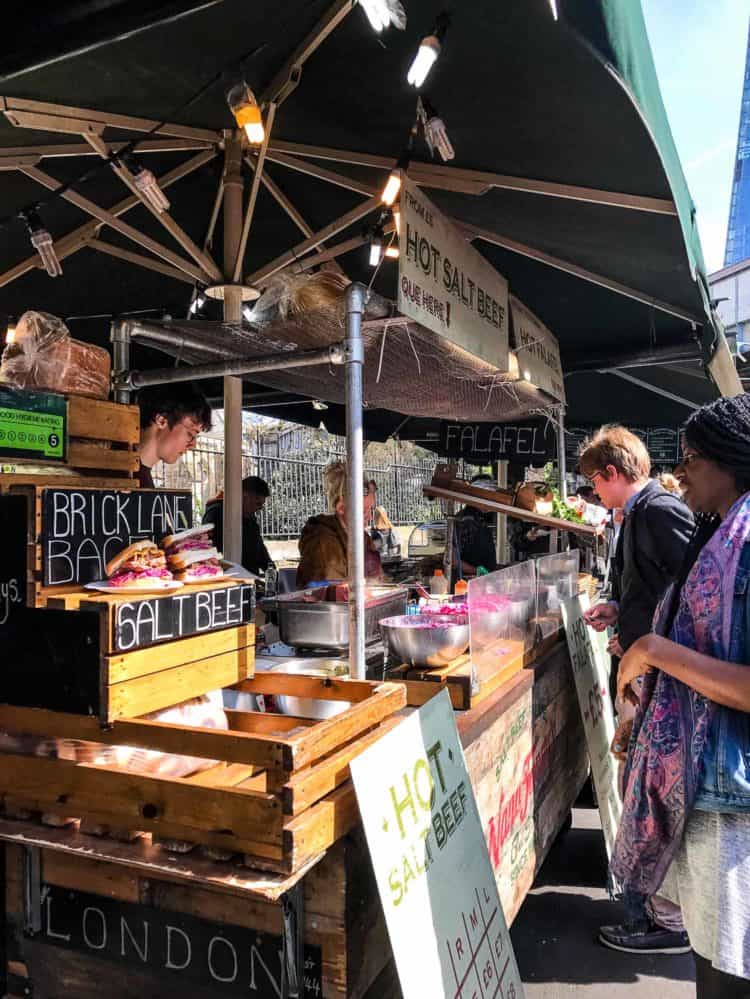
(433, 871)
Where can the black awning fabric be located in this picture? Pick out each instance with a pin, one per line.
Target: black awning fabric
(521, 94)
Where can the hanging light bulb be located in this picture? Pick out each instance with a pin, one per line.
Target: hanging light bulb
(382, 13)
(435, 132)
(376, 249)
(246, 113)
(42, 242)
(393, 184)
(427, 53)
(147, 185)
(392, 251)
(10, 332)
(197, 304)
(319, 405)
(247, 312)
(397, 219)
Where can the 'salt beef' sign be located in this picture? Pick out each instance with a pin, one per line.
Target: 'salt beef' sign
(447, 286)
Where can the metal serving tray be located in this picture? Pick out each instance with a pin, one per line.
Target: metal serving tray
(325, 625)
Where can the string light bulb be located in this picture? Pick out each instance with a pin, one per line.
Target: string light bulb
(427, 53)
(376, 249)
(42, 242)
(392, 251)
(435, 132)
(197, 304)
(147, 185)
(246, 113)
(382, 13)
(397, 219)
(10, 332)
(393, 184)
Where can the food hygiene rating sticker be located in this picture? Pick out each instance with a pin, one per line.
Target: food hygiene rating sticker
(434, 876)
(32, 425)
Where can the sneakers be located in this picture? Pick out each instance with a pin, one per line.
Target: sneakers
(644, 937)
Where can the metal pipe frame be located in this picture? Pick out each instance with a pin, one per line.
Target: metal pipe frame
(356, 295)
(120, 336)
(561, 461)
(141, 329)
(235, 368)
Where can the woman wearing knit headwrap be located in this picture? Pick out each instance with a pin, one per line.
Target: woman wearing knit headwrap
(686, 819)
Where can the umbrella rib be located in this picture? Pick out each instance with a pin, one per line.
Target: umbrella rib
(332, 229)
(478, 182)
(306, 230)
(80, 237)
(472, 232)
(253, 197)
(137, 258)
(164, 218)
(106, 217)
(311, 170)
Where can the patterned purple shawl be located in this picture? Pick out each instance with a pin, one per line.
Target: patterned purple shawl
(673, 721)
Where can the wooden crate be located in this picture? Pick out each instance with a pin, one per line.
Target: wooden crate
(134, 890)
(103, 440)
(280, 793)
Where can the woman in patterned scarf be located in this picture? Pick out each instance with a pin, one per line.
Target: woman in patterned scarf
(686, 819)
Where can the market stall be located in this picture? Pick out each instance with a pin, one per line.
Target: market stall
(241, 864)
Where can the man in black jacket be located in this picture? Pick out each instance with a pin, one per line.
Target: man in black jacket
(255, 492)
(650, 547)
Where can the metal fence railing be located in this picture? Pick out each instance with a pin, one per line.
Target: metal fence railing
(296, 486)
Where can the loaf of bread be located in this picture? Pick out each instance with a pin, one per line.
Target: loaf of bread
(44, 356)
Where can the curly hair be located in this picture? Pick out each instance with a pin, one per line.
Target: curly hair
(721, 433)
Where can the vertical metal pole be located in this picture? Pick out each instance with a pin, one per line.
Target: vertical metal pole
(233, 188)
(120, 337)
(501, 548)
(355, 514)
(561, 454)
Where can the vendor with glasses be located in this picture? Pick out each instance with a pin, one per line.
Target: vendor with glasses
(172, 416)
(323, 542)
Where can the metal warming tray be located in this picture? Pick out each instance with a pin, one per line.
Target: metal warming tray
(319, 624)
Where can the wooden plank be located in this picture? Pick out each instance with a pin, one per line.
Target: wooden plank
(90, 876)
(262, 721)
(227, 775)
(305, 787)
(329, 735)
(109, 421)
(67, 479)
(311, 833)
(137, 801)
(121, 666)
(82, 455)
(297, 685)
(213, 744)
(418, 692)
(155, 691)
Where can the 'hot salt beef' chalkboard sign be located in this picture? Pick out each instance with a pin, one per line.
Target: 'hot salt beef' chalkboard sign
(82, 529)
(140, 623)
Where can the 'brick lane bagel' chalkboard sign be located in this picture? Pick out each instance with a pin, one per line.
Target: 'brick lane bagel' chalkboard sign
(82, 529)
(140, 623)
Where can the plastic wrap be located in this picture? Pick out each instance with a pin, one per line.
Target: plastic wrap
(44, 356)
(288, 293)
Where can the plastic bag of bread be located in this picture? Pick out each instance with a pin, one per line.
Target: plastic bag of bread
(43, 355)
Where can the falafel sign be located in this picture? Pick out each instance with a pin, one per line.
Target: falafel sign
(447, 286)
(432, 868)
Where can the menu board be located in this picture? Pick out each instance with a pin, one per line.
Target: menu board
(528, 442)
(663, 444)
(82, 529)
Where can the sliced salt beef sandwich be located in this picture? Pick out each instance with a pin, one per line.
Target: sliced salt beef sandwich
(191, 554)
(141, 564)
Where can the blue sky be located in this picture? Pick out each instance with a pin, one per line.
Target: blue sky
(699, 49)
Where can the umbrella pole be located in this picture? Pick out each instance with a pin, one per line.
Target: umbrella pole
(355, 515)
(561, 467)
(233, 189)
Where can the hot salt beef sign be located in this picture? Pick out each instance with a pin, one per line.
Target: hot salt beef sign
(433, 872)
(447, 286)
(82, 529)
(537, 350)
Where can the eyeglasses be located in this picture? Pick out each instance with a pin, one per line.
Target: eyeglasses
(592, 478)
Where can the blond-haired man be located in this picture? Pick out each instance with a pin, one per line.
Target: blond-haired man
(651, 544)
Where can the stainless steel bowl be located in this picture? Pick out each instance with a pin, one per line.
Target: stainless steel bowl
(309, 707)
(435, 646)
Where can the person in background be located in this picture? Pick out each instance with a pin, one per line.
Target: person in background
(255, 492)
(323, 542)
(685, 829)
(473, 541)
(383, 536)
(650, 548)
(670, 482)
(172, 416)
